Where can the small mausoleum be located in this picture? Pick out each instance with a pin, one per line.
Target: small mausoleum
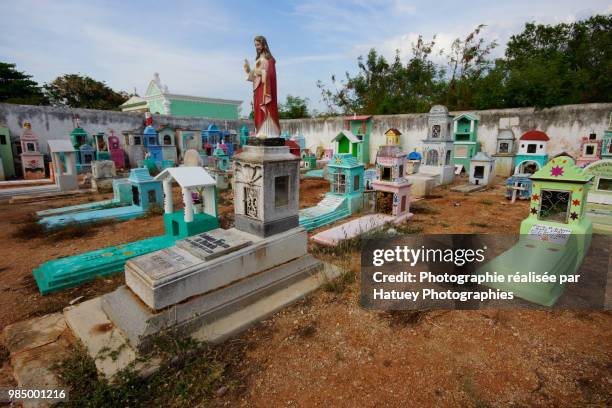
(63, 158)
(153, 149)
(244, 135)
(438, 147)
(590, 150)
(199, 213)
(518, 186)
(361, 128)
(504, 153)
(166, 136)
(211, 136)
(555, 236)
(465, 136)
(101, 145)
(32, 160)
(606, 150)
(599, 206)
(413, 162)
(482, 169)
(134, 146)
(116, 152)
(346, 177)
(392, 188)
(222, 162)
(146, 191)
(6, 152)
(532, 152)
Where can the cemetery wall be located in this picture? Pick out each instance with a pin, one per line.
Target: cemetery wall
(565, 125)
(57, 122)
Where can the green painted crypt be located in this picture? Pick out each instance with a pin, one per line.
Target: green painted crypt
(555, 236)
(465, 138)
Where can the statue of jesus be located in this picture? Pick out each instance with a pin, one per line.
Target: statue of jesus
(263, 76)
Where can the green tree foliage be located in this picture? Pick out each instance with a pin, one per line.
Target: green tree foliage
(544, 65)
(79, 91)
(18, 87)
(294, 108)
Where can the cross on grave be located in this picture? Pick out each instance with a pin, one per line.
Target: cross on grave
(516, 188)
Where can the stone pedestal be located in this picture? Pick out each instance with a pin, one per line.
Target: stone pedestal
(266, 188)
(102, 174)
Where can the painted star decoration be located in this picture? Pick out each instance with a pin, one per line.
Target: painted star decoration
(556, 171)
(573, 215)
(339, 160)
(534, 210)
(576, 202)
(535, 197)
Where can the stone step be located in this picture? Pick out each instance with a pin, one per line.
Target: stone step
(139, 324)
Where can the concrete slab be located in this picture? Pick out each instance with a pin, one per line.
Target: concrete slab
(224, 328)
(422, 184)
(353, 228)
(139, 323)
(469, 188)
(35, 346)
(172, 275)
(103, 341)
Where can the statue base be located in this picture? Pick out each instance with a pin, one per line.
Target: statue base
(271, 141)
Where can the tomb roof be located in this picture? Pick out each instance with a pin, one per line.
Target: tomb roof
(562, 169)
(535, 135)
(60, 146)
(188, 176)
(348, 134)
(468, 116)
(438, 109)
(393, 131)
(415, 156)
(140, 175)
(481, 156)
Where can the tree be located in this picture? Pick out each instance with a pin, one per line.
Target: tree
(560, 64)
(380, 87)
(18, 87)
(79, 91)
(294, 108)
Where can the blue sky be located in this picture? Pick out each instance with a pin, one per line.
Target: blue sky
(198, 46)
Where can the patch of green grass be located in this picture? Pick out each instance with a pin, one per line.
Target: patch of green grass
(408, 229)
(341, 283)
(188, 377)
(486, 201)
(445, 225)
(479, 224)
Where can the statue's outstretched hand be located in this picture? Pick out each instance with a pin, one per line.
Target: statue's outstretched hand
(247, 67)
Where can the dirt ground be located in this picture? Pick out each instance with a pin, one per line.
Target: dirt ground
(327, 351)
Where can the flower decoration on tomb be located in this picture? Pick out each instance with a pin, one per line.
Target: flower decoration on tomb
(535, 197)
(574, 215)
(556, 171)
(576, 202)
(534, 210)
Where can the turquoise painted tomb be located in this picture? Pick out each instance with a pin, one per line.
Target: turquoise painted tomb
(346, 175)
(145, 192)
(199, 215)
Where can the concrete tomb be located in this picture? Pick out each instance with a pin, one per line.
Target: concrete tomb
(590, 150)
(63, 159)
(465, 136)
(32, 160)
(555, 236)
(438, 146)
(504, 153)
(103, 173)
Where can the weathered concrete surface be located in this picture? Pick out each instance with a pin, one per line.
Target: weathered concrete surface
(354, 228)
(564, 124)
(103, 341)
(169, 276)
(139, 323)
(469, 188)
(35, 346)
(57, 122)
